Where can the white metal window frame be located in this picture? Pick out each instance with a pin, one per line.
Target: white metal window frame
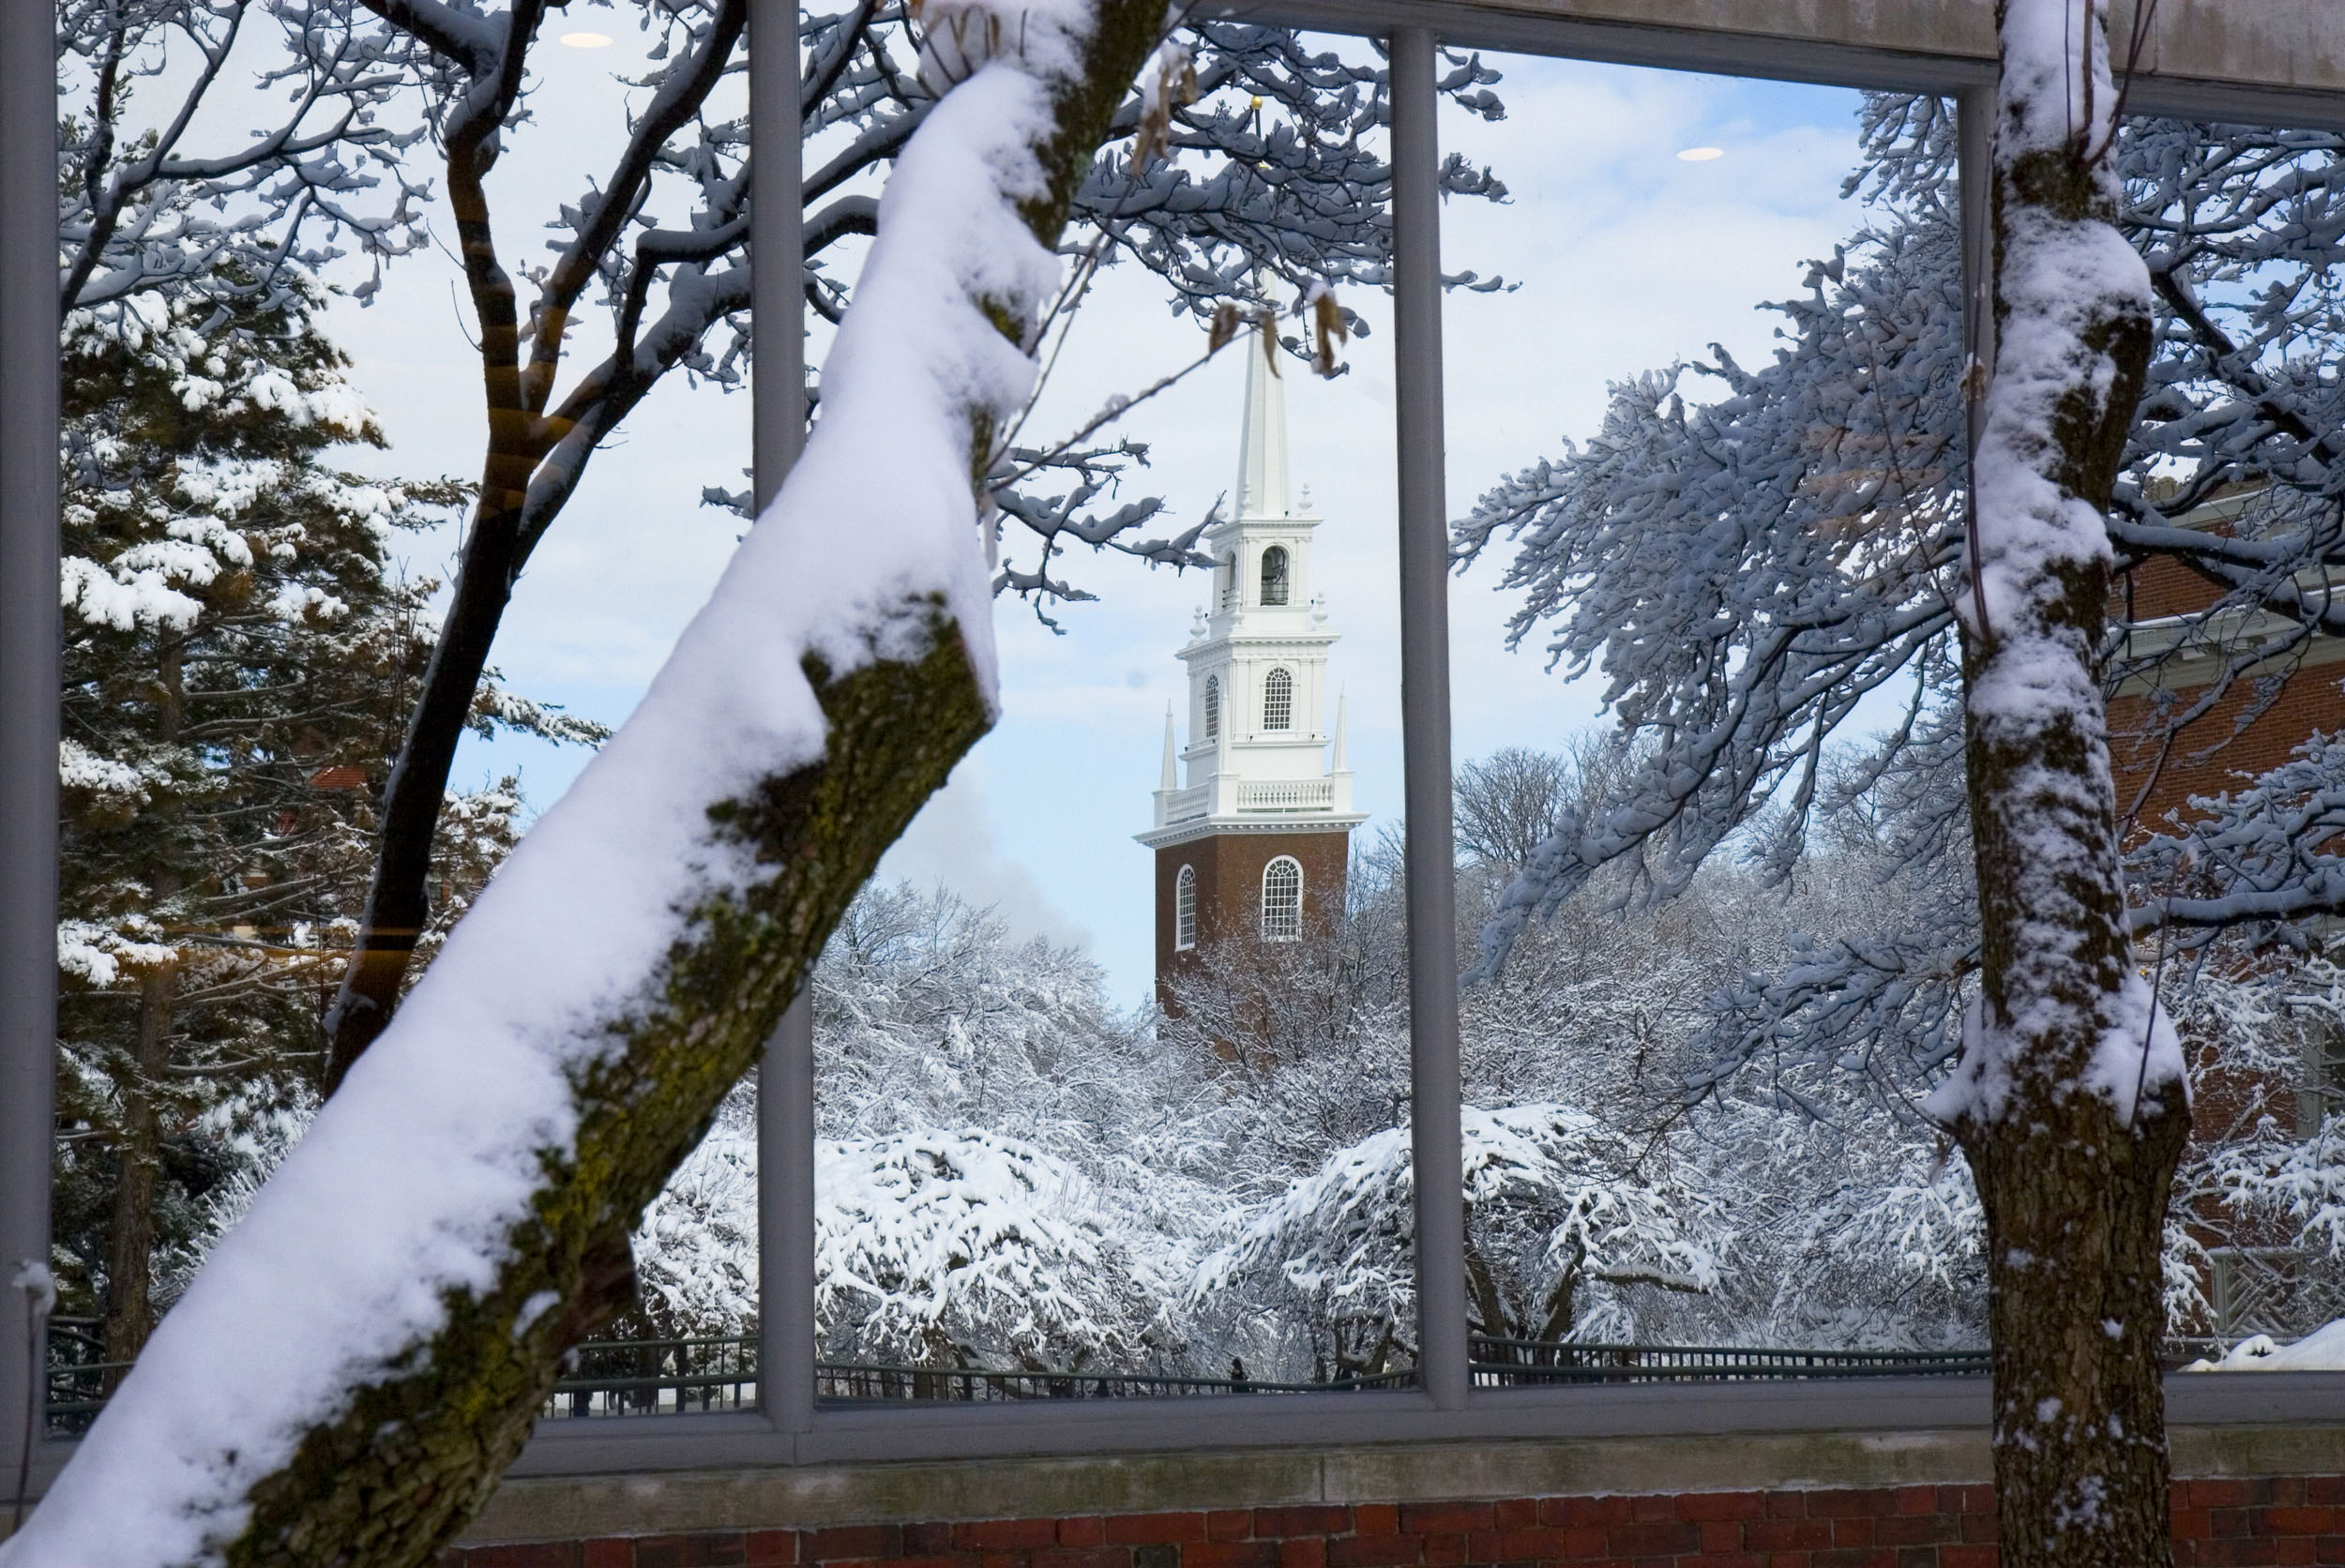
(1282, 910)
(1278, 701)
(1185, 910)
(2278, 62)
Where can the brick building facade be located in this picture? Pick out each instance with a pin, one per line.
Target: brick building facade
(2163, 752)
(2174, 736)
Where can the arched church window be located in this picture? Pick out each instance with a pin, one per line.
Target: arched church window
(1282, 899)
(1278, 701)
(1274, 575)
(1213, 707)
(1185, 908)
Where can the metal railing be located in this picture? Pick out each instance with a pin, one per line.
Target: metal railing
(656, 1377)
(79, 1375)
(719, 1372)
(858, 1383)
(1500, 1362)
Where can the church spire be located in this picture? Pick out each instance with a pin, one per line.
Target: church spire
(1172, 768)
(1261, 458)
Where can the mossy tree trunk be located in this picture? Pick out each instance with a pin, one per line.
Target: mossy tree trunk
(2073, 1151)
(412, 1459)
(379, 1471)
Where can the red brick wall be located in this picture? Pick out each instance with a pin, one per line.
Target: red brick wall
(1229, 868)
(2310, 699)
(2217, 1524)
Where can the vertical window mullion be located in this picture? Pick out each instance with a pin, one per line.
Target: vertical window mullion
(29, 674)
(785, 1098)
(1436, 1138)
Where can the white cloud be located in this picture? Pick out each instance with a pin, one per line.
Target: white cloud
(953, 841)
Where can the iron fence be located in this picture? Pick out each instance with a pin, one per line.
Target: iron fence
(719, 1372)
(654, 1376)
(1499, 1363)
(80, 1377)
(857, 1382)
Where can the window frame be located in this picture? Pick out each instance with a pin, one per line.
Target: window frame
(1278, 688)
(1780, 41)
(1212, 699)
(1270, 867)
(1185, 908)
(1284, 577)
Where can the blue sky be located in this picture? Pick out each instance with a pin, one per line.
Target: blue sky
(1627, 259)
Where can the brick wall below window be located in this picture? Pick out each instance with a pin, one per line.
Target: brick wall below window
(2217, 1524)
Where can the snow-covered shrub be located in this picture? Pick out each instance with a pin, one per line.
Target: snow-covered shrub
(1564, 1217)
(973, 1248)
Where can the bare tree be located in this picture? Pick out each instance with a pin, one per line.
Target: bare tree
(1508, 803)
(141, 212)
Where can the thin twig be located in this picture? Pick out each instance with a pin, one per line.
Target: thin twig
(1108, 416)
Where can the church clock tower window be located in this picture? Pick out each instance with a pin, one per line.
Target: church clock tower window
(1213, 707)
(1278, 701)
(1282, 900)
(1185, 910)
(1274, 575)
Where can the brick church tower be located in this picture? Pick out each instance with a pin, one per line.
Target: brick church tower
(1253, 818)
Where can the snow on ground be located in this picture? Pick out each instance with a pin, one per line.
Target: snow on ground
(2321, 1351)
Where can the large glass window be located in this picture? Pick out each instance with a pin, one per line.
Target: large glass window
(1756, 922)
(1090, 1107)
(259, 536)
(1079, 1136)
(1654, 1198)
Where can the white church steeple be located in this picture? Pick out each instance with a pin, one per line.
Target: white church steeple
(1255, 758)
(1262, 454)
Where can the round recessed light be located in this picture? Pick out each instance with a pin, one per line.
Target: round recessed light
(1701, 155)
(587, 40)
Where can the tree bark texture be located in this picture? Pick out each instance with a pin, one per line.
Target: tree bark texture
(395, 1452)
(138, 1144)
(412, 1458)
(2063, 1100)
(138, 1153)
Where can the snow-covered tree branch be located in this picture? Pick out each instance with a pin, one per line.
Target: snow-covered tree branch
(362, 1356)
(141, 214)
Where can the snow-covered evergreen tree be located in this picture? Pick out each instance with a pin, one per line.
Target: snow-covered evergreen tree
(242, 643)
